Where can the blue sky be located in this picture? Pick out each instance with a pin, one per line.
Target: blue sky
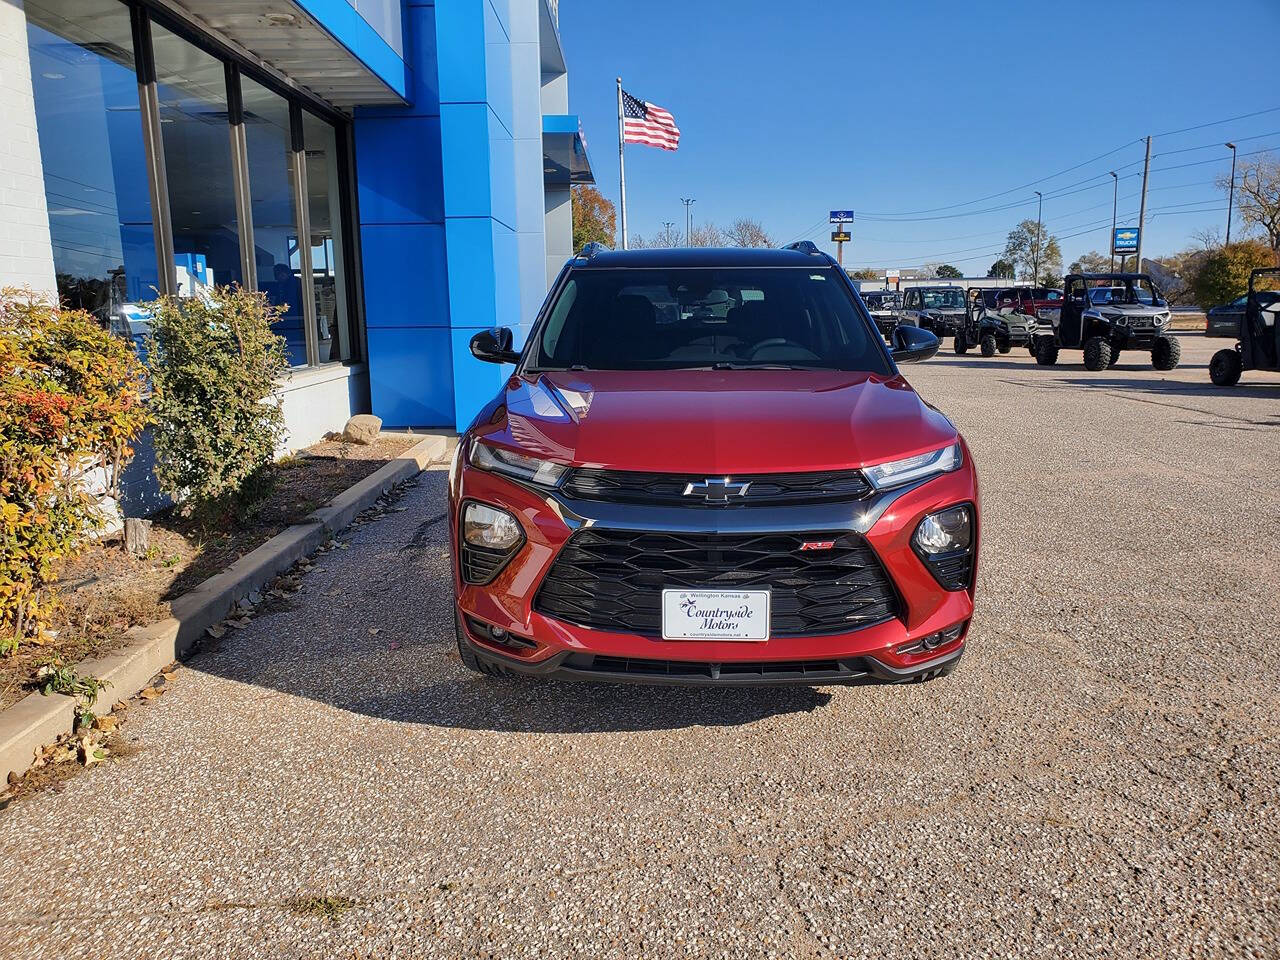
(788, 110)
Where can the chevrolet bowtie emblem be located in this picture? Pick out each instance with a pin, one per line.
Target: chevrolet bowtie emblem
(716, 489)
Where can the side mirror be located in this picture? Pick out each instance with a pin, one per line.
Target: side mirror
(912, 344)
(494, 346)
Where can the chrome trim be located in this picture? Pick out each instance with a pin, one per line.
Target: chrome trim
(856, 516)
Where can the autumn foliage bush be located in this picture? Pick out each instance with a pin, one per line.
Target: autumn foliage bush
(215, 365)
(70, 403)
(1223, 274)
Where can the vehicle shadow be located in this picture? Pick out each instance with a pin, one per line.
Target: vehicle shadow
(1159, 385)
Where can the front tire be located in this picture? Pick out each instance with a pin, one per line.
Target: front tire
(1166, 352)
(1115, 358)
(1225, 368)
(1097, 354)
(1046, 352)
(988, 344)
(961, 345)
(1005, 346)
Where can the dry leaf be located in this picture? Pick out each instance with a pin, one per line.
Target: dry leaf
(106, 724)
(149, 693)
(217, 631)
(90, 753)
(374, 631)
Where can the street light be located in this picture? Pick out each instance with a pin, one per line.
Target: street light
(1115, 196)
(688, 220)
(1231, 193)
(1035, 251)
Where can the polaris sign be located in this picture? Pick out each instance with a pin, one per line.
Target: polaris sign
(841, 216)
(1125, 240)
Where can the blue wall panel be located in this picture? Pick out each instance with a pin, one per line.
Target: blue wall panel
(443, 189)
(413, 385)
(406, 281)
(399, 170)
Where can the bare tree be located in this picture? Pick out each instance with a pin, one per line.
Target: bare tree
(1091, 262)
(708, 235)
(748, 233)
(1258, 194)
(1209, 238)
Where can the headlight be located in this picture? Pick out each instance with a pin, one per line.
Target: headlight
(490, 527)
(944, 542)
(897, 472)
(945, 531)
(545, 473)
(1161, 319)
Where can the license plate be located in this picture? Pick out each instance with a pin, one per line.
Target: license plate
(740, 615)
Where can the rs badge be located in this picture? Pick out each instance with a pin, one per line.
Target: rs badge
(817, 545)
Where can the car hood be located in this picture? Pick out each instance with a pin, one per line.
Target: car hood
(695, 421)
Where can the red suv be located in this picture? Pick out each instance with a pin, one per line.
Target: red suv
(706, 468)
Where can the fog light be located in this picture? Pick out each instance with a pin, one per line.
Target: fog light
(490, 527)
(945, 532)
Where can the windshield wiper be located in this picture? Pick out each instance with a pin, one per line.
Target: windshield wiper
(738, 365)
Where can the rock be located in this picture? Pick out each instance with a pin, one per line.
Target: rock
(362, 428)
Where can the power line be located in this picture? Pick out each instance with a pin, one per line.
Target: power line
(1214, 123)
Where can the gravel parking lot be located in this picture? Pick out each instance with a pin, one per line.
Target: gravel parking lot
(1099, 777)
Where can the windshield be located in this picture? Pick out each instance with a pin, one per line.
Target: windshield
(699, 318)
(1132, 292)
(943, 299)
(880, 301)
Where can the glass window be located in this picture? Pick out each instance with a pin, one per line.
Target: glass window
(324, 209)
(788, 318)
(95, 173)
(191, 86)
(269, 146)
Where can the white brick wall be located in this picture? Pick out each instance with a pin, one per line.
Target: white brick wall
(26, 253)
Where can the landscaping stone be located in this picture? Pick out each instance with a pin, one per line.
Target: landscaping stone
(362, 428)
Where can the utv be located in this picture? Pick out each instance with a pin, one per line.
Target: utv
(1259, 332)
(1104, 314)
(883, 305)
(938, 309)
(990, 329)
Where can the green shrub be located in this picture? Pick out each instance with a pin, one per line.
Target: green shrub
(70, 403)
(216, 411)
(1223, 274)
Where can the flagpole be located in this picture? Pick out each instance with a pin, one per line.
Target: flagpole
(622, 167)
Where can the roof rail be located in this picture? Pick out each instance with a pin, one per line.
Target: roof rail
(590, 250)
(804, 246)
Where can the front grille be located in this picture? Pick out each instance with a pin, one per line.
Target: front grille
(764, 489)
(613, 579)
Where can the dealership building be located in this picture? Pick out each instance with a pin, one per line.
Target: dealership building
(396, 171)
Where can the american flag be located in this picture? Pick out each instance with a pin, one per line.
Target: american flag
(648, 124)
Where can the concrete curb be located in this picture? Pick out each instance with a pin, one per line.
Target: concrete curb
(37, 720)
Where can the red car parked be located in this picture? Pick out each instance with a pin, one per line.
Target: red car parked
(1029, 300)
(706, 468)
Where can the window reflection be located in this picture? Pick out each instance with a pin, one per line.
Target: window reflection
(192, 91)
(271, 189)
(95, 175)
(324, 211)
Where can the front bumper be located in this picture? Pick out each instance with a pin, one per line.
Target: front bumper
(888, 651)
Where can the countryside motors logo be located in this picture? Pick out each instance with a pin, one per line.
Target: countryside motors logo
(722, 614)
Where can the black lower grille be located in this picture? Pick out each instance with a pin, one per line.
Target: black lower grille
(758, 489)
(613, 579)
(953, 570)
(811, 670)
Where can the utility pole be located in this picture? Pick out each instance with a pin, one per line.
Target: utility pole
(1115, 197)
(668, 224)
(1231, 194)
(1142, 209)
(1035, 250)
(688, 220)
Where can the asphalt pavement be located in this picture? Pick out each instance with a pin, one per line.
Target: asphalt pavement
(1098, 778)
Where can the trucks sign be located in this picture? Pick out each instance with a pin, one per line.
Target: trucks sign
(1125, 240)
